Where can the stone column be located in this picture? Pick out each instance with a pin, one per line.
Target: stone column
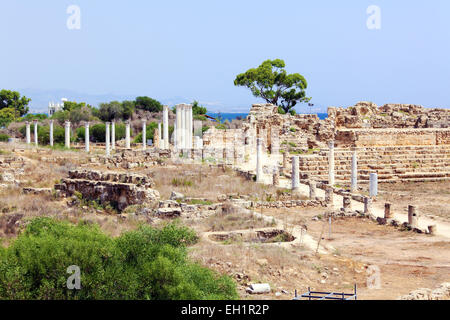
(285, 159)
(86, 136)
(35, 132)
(179, 127)
(107, 139)
(367, 205)
(144, 134)
(276, 178)
(67, 134)
(51, 133)
(113, 135)
(275, 141)
(127, 134)
(183, 127)
(259, 171)
(312, 190)
(189, 126)
(387, 211)
(166, 127)
(354, 175)
(295, 174)
(28, 134)
(174, 135)
(331, 181)
(373, 185)
(329, 195)
(347, 203)
(413, 217)
(160, 137)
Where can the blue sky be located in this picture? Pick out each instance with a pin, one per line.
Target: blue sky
(176, 51)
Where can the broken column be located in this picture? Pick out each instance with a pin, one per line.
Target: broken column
(413, 217)
(35, 132)
(51, 133)
(165, 144)
(107, 139)
(329, 195)
(367, 205)
(259, 171)
(86, 136)
(113, 135)
(144, 134)
(354, 174)
(127, 134)
(373, 184)
(67, 134)
(295, 174)
(331, 181)
(276, 178)
(312, 190)
(387, 211)
(28, 134)
(275, 141)
(347, 203)
(285, 160)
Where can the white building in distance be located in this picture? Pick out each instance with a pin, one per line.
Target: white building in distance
(55, 107)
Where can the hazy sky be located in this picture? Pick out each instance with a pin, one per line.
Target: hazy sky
(182, 50)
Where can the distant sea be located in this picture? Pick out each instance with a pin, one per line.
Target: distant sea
(231, 116)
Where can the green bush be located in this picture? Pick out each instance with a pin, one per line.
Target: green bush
(97, 132)
(149, 133)
(4, 137)
(44, 134)
(147, 263)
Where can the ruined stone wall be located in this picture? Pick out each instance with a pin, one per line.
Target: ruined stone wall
(391, 137)
(115, 188)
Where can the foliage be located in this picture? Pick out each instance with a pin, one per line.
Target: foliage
(148, 104)
(72, 105)
(149, 132)
(4, 137)
(31, 117)
(198, 109)
(6, 116)
(271, 82)
(147, 263)
(97, 132)
(12, 99)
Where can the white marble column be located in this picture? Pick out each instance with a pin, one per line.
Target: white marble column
(28, 133)
(331, 181)
(183, 127)
(127, 134)
(295, 174)
(107, 139)
(67, 134)
(259, 170)
(144, 135)
(51, 133)
(35, 132)
(113, 135)
(190, 127)
(160, 137)
(179, 127)
(166, 127)
(354, 175)
(174, 134)
(86, 136)
(373, 184)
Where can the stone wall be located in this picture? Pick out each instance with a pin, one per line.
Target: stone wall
(115, 188)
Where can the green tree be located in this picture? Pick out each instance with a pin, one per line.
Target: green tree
(72, 105)
(110, 111)
(197, 109)
(12, 99)
(271, 82)
(127, 109)
(6, 116)
(148, 104)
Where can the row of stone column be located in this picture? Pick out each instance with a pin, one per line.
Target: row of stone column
(110, 139)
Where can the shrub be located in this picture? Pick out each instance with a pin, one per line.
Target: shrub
(97, 132)
(150, 130)
(4, 137)
(147, 263)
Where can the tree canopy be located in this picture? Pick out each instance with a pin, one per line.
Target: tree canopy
(271, 82)
(148, 104)
(12, 99)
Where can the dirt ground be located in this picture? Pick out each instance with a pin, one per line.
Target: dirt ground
(406, 261)
(432, 198)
